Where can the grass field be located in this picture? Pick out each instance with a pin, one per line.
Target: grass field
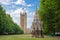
(25, 37)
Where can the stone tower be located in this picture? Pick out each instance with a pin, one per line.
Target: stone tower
(23, 20)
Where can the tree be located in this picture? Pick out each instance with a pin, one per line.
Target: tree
(17, 29)
(2, 17)
(7, 26)
(50, 15)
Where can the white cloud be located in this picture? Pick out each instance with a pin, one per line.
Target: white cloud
(31, 13)
(29, 22)
(5, 2)
(17, 11)
(30, 19)
(16, 15)
(29, 5)
(22, 2)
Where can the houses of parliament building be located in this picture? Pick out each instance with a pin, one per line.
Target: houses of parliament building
(35, 24)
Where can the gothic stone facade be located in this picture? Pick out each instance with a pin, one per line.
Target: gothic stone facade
(36, 26)
(23, 21)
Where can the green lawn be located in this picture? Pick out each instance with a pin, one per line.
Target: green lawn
(25, 37)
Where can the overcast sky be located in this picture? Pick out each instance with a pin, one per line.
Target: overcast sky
(14, 7)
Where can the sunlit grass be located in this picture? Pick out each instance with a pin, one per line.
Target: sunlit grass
(21, 37)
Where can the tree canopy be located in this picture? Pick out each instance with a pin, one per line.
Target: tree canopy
(7, 26)
(50, 15)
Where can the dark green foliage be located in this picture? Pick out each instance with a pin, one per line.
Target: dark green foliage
(7, 26)
(50, 15)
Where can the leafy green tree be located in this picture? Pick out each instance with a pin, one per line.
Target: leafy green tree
(7, 26)
(2, 19)
(50, 15)
(17, 29)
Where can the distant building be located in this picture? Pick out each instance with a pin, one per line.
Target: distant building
(23, 20)
(28, 31)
